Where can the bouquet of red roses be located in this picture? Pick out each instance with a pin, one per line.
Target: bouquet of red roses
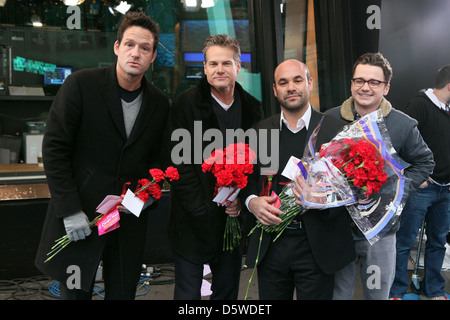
(231, 168)
(359, 161)
(146, 190)
(358, 168)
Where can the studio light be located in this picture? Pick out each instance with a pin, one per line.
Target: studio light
(36, 21)
(123, 7)
(207, 3)
(70, 3)
(190, 3)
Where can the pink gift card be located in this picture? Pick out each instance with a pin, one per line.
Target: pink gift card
(109, 222)
(277, 202)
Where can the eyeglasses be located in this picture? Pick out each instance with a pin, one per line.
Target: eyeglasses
(359, 82)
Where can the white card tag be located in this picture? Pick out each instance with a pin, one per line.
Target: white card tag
(133, 203)
(291, 171)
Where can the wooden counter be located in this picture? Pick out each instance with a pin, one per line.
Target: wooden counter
(22, 182)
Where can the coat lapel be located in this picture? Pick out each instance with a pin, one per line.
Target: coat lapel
(111, 94)
(313, 122)
(204, 102)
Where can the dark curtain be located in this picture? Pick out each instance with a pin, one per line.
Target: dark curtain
(342, 36)
(269, 48)
(415, 38)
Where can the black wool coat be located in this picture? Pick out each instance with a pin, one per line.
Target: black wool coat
(196, 223)
(87, 156)
(328, 231)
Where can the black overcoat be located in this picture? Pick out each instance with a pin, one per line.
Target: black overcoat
(328, 230)
(87, 156)
(196, 223)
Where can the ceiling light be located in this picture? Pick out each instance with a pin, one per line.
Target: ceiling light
(190, 3)
(207, 3)
(70, 2)
(36, 21)
(123, 7)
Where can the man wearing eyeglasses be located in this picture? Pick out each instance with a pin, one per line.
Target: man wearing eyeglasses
(369, 86)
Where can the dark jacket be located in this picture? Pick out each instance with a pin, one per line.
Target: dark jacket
(434, 126)
(328, 231)
(196, 223)
(87, 156)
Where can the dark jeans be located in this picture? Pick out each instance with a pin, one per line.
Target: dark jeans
(226, 272)
(432, 204)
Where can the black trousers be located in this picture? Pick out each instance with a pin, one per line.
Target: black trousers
(225, 272)
(289, 265)
(113, 284)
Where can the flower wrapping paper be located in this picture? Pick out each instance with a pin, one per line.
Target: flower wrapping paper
(372, 211)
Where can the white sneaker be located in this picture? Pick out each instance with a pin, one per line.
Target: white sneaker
(422, 297)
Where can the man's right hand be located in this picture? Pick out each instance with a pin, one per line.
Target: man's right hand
(77, 226)
(264, 211)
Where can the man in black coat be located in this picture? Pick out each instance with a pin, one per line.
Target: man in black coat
(196, 223)
(318, 242)
(104, 129)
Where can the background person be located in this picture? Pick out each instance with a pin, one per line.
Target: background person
(431, 109)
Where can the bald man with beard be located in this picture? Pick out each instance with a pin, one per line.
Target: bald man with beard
(317, 243)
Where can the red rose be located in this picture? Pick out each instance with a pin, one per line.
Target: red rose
(143, 196)
(157, 174)
(155, 191)
(172, 173)
(224, 178)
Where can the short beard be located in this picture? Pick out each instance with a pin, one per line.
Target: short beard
(295, 108)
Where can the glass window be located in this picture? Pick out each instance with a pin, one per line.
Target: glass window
(50, 33)
(41, 35)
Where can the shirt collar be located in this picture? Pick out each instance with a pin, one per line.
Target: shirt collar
(223, 105)
(301, 123)
(430, 94)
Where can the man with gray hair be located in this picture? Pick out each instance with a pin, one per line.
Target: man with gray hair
(196, 223)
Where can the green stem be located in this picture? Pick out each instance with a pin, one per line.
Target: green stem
(256, 264)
